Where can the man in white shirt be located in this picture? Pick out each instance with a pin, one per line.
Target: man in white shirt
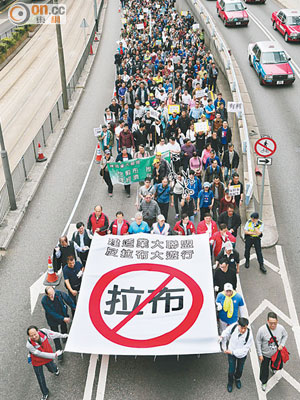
(239, 339)
(161, 147)
(175, 150)
(186, 98)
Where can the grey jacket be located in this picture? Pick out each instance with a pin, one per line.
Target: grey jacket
(264, 343)
(150, 210)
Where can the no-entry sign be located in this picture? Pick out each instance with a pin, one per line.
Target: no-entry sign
(146, 295)
(265, 147)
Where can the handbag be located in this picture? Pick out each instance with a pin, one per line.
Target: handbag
(280, 357)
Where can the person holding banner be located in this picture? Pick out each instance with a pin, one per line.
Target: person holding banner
(139, 226)
(124, 156)
(184, 227)
(237, 340)
(119, 226)
(229, 305)
(161, 227)
(104, 171)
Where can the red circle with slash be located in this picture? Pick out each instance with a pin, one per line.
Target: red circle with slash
(265, 147)
(162, 340)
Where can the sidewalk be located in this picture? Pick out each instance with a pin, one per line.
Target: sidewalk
(30, 83)
(290, 4)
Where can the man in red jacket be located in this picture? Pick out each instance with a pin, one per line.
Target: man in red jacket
(41, 353)
(219, 239)
(127, 140)
(98, 222)
(184, 226)
(119, 226)
(207, 225)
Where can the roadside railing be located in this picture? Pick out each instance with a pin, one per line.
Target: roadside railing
(234, 88)
(28, 160)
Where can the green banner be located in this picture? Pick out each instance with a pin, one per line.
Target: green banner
(134, 170)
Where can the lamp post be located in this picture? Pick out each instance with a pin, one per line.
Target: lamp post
(96, 15)
(62, 65)
(7, 174)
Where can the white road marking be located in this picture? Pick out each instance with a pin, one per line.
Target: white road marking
(272, 37)
(267, 304)
(289, 296)
(253, 355)
(90, 377)
(102, 377)
(35, 290)
(38, 286)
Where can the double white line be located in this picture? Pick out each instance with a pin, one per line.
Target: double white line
(272, 37)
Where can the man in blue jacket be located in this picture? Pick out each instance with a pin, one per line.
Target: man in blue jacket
(55, 305)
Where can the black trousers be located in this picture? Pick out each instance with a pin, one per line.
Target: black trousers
(127, 189)
(164, 209)
(63, 329)
(203, 211)
(256, 242)
(264, 370)
(107, 179)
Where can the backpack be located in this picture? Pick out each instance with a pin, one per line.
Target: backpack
(247, 336)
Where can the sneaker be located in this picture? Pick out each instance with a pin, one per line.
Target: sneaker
(57, 372)
(45, 397)
(177, 216)
(263, 269)
(110, 194)
(247, 264)
(229, 388)
(238, 383)
(128, 196)
(150, 148)
(263, 387)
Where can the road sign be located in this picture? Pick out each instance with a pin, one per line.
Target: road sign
(164, 339)
(265, 147)
(264, 161)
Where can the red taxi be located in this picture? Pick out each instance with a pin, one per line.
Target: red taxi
(232, 12)
(287, 22)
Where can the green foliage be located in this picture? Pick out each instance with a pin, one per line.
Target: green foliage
(3, 47)
(10, 42)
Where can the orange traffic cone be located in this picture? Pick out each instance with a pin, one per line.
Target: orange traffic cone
(98, 154)
(52, 278)
(258, 172)
(41, 157)
(91, 50)
(96, 38)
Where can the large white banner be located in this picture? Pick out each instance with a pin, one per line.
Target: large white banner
(146, 295)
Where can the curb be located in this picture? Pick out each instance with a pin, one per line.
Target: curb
(13, 219)
(270, 237)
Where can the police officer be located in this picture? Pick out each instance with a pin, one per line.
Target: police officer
(253, 233)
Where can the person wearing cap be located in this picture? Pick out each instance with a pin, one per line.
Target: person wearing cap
(236, 341)
(157, 171)
(161, 227)
(231, 255)
(219, 239)
(104, 171)
(224, 274)
(138, 226)
(253, 230)
(229, 305)
(231, 219)
(184, 227)
(205, 200)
